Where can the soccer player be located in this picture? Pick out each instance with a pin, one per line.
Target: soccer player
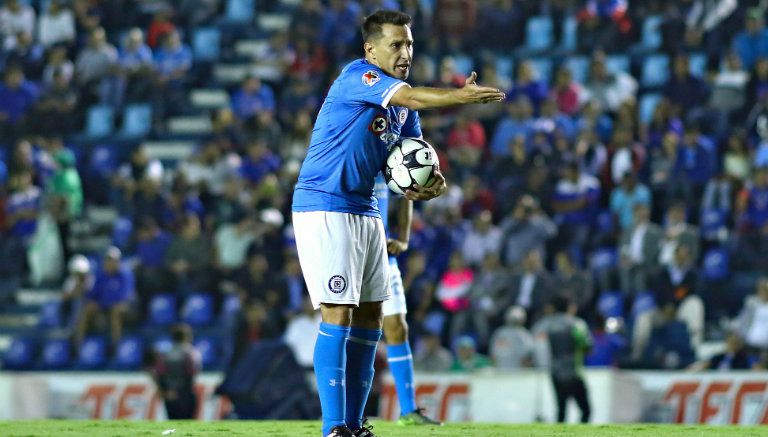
(339, 234)
(394, 310)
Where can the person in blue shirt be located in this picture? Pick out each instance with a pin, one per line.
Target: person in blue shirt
(252, 98)
(339, 235)
(17, 98)
(112, 292)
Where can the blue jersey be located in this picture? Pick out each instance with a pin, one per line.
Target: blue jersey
(349, 142)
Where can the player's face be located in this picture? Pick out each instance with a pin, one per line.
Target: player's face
(393, 52)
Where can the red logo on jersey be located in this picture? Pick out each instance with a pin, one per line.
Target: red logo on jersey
(370, 77)
(378, 125)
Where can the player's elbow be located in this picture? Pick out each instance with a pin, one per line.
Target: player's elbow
(407, 98)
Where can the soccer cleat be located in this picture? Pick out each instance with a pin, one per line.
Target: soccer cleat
(417, 418)
(340, 431)
(364, 431)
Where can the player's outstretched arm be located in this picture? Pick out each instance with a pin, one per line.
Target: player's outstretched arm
(427, 98)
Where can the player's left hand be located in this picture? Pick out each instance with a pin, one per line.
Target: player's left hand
(396, 247)
(437, 188)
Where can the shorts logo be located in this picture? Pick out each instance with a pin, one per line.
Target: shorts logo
(337, 284)
(403, 115)
(370, 77)
(378, 125)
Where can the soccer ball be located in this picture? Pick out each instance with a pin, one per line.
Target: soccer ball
(410, 161)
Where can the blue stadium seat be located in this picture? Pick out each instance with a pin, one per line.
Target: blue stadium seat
(542, 68)
(647, 106)
(505, 66)
(603, 258)
(697, 63)
(206, 43)
(240, 11)
(579, 66)
(122, 232)
(198, 309)
(643, 302)
(129, 353)
(20, 354)
(569, 37)
(209, 349)
(56, 354)
(650, 35)
(611, 304)
(618, 63)
(93, 353)
(539, 33)
(100, 121)
(716, 264)
(605, 221)
(50, 315)
(231, 306)
(713, 223)
(162, 343)
(655, 71)
(103, 161)
(137, 120)
(162, 310)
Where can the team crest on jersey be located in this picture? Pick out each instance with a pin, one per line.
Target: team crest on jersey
(403, 115)
(378, 125)
(337, 284)
(370, 77)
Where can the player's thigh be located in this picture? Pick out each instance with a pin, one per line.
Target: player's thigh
(331, 256)
(396, 302)
(375, 285)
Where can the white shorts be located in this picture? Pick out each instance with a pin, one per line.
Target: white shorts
(396, 303)
(343, 257)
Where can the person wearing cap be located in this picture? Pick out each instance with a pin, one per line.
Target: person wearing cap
(467, 358)
(752, 43)
(112, 292)
(511, 346)
(77, 284)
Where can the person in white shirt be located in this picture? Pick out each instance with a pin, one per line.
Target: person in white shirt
(303, 345)
(15, 18)
(639, 251)
(57, 25)
(753, 319)
(483, 238)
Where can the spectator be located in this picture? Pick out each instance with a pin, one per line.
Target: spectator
(252, 98)
(57, 108)
(136, 69)
(172, 61)
(482, 240)
(303, 345)
(511, 346)
(56, 25)
(568, 94)
(466, 145)
(129, 176)
(735, 357)
(685, 91)
(23, 207)
(453, 290)
(151, 248)
(575, 203)
(603, 24)
(626, 196)
(693, 168)
(752, 218)
(190, 257)
(255, 324)
(677, 284)
(608, 344)
(528, 85)
(431, 356)
(531, 287)
(703, 24)
(753, 319)
(57, 62)
(752, 43)
(573, 282)
(17, 97)
(231, 243)
(66, 195)
(27, 54)
(678, 233)
(258, 162)
(639, 251)
(77, 284)
(736, 162)
(256, 284)
(669, 347)
(174, 372)
(15, 17)
(112, 294)
(569, 340)
(160, 27)
(609, 89)
(94, 63)
(455, 22)
(467, 358)
(517, 124)
(526, 229)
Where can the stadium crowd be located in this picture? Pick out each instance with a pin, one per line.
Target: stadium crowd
(628, 169)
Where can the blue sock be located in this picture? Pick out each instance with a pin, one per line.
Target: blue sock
(330, 361)
(361, 352)
(401, 365)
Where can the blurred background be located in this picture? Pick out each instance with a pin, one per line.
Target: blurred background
(150, 148)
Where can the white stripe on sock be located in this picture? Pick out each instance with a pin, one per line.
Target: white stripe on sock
(323, 333)
(396, 359)
(363, 341)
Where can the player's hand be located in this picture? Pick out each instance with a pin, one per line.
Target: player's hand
(396, 247)
(437, 188)
(474, 93)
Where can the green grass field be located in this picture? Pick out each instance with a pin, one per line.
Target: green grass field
(54, 428)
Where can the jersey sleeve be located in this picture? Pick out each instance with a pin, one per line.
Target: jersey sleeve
(412, 126)
(368, 84)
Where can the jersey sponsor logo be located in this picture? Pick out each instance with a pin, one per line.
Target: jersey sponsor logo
(337, 284)
(403, 115)
(379, 124)
(370, 77)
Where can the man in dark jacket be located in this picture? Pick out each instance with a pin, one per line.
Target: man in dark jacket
(174, 372)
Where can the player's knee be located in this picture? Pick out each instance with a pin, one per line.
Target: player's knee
(395, 329)
(368, 315)
(340, 315)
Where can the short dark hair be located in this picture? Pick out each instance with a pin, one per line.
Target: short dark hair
(181, 333)
(373, 23)
(560, 303)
